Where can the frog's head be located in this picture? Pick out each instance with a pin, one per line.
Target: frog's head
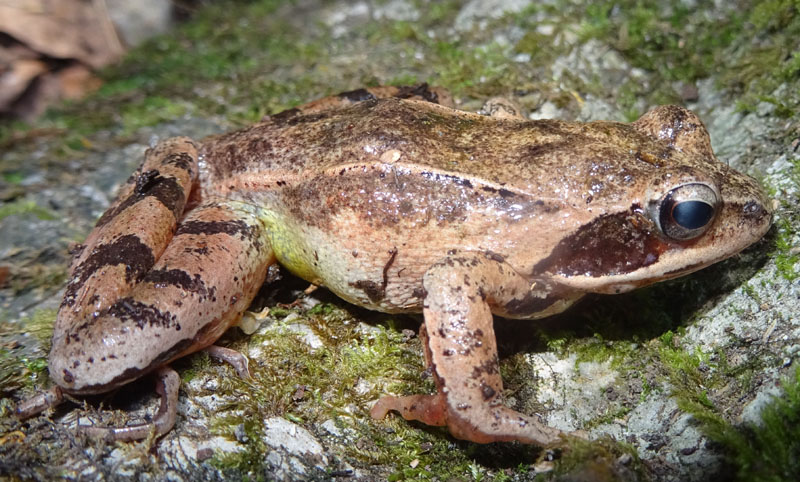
(687, 211)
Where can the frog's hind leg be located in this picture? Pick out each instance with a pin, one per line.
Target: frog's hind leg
(124, 244)
(144, 291)
(199, 287)
(462, 350)
(133, 232)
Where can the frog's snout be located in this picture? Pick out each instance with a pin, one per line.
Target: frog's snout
(756, 213)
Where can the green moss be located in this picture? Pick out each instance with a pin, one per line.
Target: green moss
(681, 43)
(251, 460)
(785, 254)
(690, 383)
(23, 208)
(439, 11)
(150, 111)
(762, 67)
(475, 70)
(683, 366)
(40, 326)
(13, 177)
(611, 415)
(598, 460)
(768, 451)
(13, 373)
(279, 312)
(595, 349)
(674, 42)
(330, 376)
(22, 368)
(762, 452)
(38, 276)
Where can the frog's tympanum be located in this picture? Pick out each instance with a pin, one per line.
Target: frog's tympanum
(398, 204)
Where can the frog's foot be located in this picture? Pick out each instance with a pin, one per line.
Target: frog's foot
(235, 359)
(428, 409)
(39, 402)
(167, 386)
(506, 424)
(461, 293)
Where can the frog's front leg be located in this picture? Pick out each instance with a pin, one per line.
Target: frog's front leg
(461, 293)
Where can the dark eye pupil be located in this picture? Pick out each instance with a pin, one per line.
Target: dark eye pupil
(692, 214)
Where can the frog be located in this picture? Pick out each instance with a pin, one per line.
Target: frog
(396, 201)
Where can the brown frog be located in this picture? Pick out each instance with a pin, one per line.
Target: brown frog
(397, 204)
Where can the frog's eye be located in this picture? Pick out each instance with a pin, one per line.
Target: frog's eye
(687, 211)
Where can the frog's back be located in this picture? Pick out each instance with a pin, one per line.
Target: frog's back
(509, 153)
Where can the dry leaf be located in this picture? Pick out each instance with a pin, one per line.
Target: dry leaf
(63, 29)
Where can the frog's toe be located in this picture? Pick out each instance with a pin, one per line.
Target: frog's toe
(235, 359)
(500, 424)
(428, 409)
(465, 422)
(167, 386)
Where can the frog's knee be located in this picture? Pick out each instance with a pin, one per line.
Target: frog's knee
(502, 108)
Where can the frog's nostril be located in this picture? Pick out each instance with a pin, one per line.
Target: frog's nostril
(751, 207)
(755, 210)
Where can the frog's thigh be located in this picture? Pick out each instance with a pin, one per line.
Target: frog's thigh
(132, 233)
(211, 270)
(463, 350)
(207, 276)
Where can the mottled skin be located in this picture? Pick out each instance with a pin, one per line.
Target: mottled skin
(400, 205)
